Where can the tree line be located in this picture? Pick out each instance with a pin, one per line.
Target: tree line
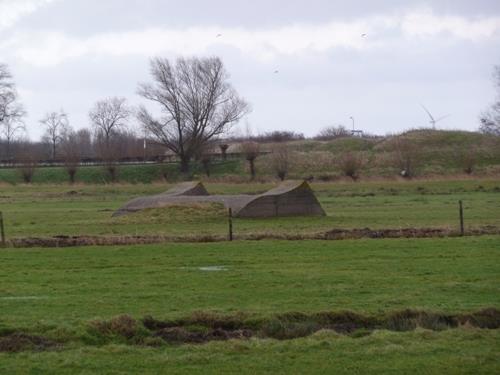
(196, 108)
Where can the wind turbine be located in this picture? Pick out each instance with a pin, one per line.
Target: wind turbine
(432, 120)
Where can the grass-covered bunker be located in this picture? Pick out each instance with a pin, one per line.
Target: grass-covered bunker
(291, 198)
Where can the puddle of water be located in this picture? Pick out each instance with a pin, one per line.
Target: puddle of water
(213, 268)
(9, 298)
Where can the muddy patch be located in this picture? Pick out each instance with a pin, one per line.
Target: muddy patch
(185, 335)
(202, 327)
(334, 234)
(205, 327)
(19, 341)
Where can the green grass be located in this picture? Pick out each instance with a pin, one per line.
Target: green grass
(57, 291)
(449, 352)
(72, 284)
(126, 173)
(46, 210)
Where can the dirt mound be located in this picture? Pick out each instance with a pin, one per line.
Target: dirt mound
(183, 335)
(204, 327)
(19, 341)
(334, 234)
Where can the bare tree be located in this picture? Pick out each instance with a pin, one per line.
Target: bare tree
(197, 102)
(223, 149)
(11, 112)
(108, 116)
(84, 142)
(56, 125)
(26, 159)
(10, 129)
(206, 161)
(280, 160)
(107, 149)
(71, 152)
(490, 119)
(250, 151)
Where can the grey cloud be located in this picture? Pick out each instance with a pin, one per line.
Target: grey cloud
(381, 86)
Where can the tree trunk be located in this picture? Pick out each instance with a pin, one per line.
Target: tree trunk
(185, 164)
(252, 168)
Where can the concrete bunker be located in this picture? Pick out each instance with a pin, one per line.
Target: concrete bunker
(290, 198)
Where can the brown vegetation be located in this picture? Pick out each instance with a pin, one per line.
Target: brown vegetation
(334, 234)
(280, 160)
(350, 164)
(20, 341)
(333, 132)
(407, 156)
(201, 327)
(250, 151)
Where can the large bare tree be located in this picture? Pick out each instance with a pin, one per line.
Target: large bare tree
(56, 125)
(10, 129)
(11, 112)
(490, 119)
(108, 116)
(197, 103)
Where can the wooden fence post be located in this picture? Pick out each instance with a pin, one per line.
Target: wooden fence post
(230, 222)
(461, 213)
(2, 230)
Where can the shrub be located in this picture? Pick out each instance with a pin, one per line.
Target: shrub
(122, 325)
(406, 157)
(280, 161)
(350, 163)
(333, 132)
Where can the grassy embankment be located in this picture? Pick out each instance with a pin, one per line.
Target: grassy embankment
(431, 153)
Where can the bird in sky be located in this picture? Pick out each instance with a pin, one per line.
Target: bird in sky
(218, 35)
(276, 71)
(363, 35)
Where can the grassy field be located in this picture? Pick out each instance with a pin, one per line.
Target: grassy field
(69, 296)
(57, 293)
(47, 210)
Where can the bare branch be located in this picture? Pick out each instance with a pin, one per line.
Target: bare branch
(197, 104)
(490, 119)
(56, 125)
(109, 115)
(11, 112)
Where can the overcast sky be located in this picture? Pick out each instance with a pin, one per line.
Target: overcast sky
(69, 53)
